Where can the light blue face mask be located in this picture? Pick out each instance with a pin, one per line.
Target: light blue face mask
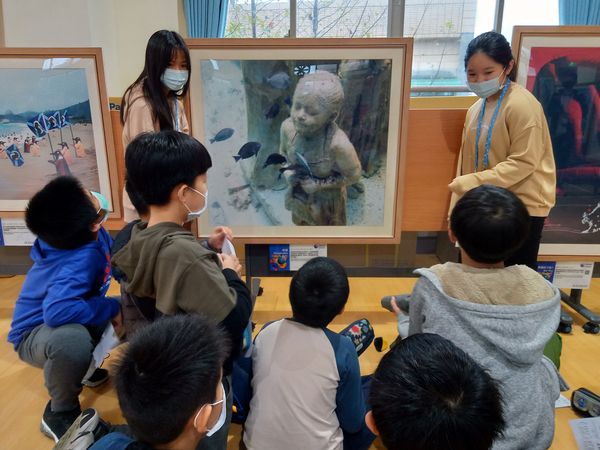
(487, 88)
(104, 209)
(174, 79)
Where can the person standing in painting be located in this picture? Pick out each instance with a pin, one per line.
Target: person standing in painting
(27, 145)
(3, 151)
(66, 152)
(79, 149)
(35, 147)
(154, 101)
(506, 141)
(323, 157)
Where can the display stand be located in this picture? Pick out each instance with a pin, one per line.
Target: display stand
(574, 301)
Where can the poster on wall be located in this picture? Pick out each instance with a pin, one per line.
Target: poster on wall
(561, 67)
(53, 121)
(306, 137)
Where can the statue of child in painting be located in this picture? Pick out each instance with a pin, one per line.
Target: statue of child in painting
(323, 157)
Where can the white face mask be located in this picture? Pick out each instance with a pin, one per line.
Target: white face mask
(174, 79)
(195, 214)
(222, 417)
(487, 88)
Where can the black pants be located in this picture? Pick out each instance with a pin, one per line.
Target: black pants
(528, 252)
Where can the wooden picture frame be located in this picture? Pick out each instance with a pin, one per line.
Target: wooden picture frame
(61, 94)
(561, 67)
(242, 93)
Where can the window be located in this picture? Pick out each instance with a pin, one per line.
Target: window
(530, 12)
(441, 29)
(258, 19)
(342, 18)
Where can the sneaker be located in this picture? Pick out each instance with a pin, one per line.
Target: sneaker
(402, 300)
(55, 424)
(96, 379)
(80, 435)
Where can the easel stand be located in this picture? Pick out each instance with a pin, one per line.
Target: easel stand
(574, 301)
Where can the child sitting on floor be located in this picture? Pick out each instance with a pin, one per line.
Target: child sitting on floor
(501, 316)
(427, 394)
(307, 390)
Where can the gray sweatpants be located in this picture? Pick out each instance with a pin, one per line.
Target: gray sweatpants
(65, 354)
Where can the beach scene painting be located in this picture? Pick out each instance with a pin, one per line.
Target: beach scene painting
(50, 125)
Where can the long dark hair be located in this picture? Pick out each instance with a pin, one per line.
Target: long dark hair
(161, 48)
(495, 46)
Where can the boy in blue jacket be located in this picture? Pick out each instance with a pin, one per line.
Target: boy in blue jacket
(62, 308)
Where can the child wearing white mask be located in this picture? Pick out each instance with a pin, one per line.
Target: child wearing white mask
(162, 266)
(178, 399)
(506, 141)
(154, 102)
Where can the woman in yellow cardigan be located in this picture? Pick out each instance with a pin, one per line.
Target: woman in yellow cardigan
(506, 141)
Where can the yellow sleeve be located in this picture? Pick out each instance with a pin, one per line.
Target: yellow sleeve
(525, 152)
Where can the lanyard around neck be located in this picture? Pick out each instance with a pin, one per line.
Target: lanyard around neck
(488, 140)
(176, 115)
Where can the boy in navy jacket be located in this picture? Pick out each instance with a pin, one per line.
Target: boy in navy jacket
(62, 308)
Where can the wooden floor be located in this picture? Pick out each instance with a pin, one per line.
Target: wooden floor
(23, 396)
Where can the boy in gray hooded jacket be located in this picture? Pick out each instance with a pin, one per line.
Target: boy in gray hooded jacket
(501, 316)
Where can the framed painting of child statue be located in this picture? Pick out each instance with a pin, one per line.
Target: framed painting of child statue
(54, 121)
(306, 136)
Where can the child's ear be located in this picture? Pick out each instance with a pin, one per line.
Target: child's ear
(96, 227)
(371, 423)
(179, 190)
(200, 421)
(452, 236)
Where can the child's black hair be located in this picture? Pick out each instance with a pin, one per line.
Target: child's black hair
(495, 46)
(428, 394)
(158, 162)
(169, 369)
(491, 223)
(318, 292)
(62, 214)
(136, 200)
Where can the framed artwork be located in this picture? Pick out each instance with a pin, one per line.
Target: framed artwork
(561, 67)
(54, 121)
(306, 136)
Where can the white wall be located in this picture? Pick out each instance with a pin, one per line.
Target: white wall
(120, 27)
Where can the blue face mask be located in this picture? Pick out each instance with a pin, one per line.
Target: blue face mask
(104, 209)
(486, 89)
(175, 80)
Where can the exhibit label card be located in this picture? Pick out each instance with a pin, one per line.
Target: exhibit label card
(301, 254)
(14, 232)
(567, 275)
(285, 257)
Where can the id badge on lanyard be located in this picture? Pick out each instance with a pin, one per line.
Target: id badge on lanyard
(488, 140)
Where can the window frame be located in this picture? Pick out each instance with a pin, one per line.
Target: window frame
(395, 28)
